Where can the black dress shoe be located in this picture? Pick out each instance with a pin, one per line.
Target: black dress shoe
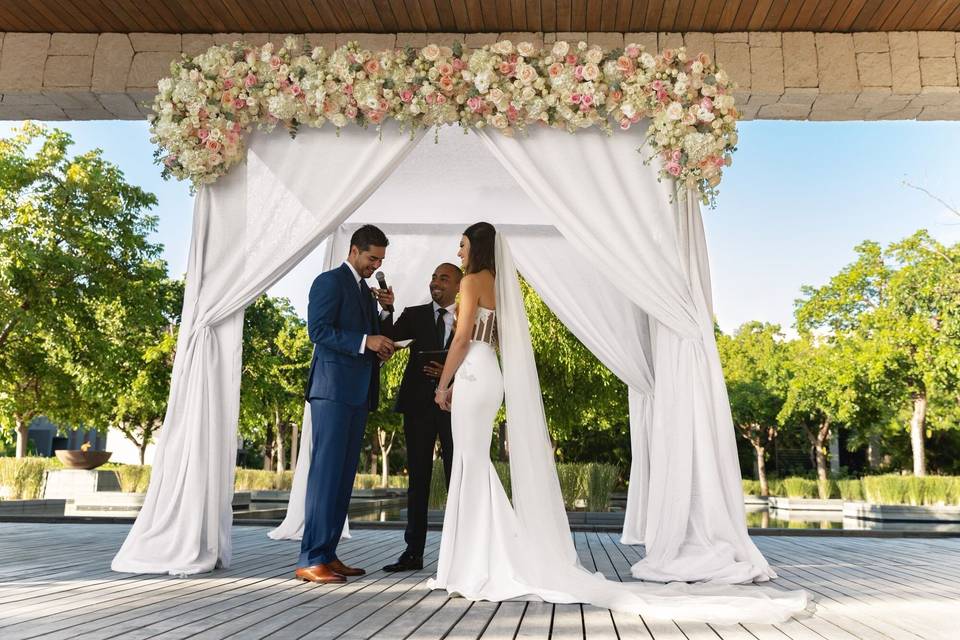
(406, 562)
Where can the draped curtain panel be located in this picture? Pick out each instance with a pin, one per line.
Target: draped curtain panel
(613, 209)
(250, 228)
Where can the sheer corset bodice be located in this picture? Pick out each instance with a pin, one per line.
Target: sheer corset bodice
(485, 326)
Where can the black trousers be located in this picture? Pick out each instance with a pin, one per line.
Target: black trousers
(421, 431)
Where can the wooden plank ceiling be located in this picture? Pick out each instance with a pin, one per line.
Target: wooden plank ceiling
(467, 16)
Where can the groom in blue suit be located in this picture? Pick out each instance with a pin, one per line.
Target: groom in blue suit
(343, 385)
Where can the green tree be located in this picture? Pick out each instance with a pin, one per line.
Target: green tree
(898, 311)
(585, 404)
(73, 242)
(755, 368)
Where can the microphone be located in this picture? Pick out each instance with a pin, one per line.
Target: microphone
(382, 281)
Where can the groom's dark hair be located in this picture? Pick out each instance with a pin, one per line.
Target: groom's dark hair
(368, 236)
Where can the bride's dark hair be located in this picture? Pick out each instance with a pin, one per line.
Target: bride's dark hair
(482, 237)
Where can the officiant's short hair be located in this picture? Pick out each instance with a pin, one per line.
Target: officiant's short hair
(368, 236)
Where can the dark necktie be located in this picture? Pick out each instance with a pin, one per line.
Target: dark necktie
(441, 327)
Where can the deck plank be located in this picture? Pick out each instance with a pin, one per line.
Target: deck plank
(56, 584)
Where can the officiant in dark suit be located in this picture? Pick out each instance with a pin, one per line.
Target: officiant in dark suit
(430, 326)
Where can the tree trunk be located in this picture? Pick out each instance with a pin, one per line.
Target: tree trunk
(23, 426)
(873, 452)
(268, 451)
(918, 424)
(762, 469)
(820, 451)
(143, 450)
(281, 449)
(385, 447)
(294, 445)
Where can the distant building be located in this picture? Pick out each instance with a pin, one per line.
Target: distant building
(43, 438)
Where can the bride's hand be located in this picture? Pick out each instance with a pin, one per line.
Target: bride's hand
(443, 398)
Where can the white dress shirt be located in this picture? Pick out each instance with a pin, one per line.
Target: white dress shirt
(383, 313)
(448, 319)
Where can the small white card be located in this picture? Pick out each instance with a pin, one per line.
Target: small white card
(400, 344)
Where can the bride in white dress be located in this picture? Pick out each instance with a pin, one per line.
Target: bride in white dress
(492, 550)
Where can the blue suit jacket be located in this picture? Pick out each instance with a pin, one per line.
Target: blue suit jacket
(338, 316)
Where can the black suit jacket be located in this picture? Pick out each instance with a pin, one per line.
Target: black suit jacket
(417, 390)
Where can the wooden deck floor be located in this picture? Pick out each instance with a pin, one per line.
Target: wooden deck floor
(55, 583)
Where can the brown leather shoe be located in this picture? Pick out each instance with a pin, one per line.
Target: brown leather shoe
(322, 573)
(344, 570)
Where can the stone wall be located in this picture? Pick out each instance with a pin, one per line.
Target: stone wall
(804, 76)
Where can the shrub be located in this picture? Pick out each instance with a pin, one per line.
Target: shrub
(851, 490)
(599, 479)
(796, 487)
(438, 487)
(888, 489)
(571, 487)
(133, 478)
(751, 487)
(23, 477)
(262, 480)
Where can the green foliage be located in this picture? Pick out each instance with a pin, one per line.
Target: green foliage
(800, 488)
(438, 487)
(599, 481)
(261, 480)
(585, 404)
(851, 490)
(571, 483)
(75, 261)
(750, 487)
(133, 478)
(22, 478)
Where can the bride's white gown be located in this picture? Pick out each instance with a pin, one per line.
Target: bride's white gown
(489, 552)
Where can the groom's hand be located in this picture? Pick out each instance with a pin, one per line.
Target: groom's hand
(382, 345)
(433, 369)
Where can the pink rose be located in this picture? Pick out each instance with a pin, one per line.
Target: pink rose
(575, 98)
(506, 68)
(371, 66)
(571, 59)
(376, 117)
(625, 123)
(275, 63)
(406, 95)
(555, 69)
(459, 64)
(616, 96)
(348, 89)
(445, 69)
(625, 65)
(203, 134)
(675, 156)
(586, 101)
(578, 72)
(441, 99)
(657, 85)
(446, 83)
(213, 145)
(475, 104)
(667, 55)
(382, 104)
(232, 138)
(633, 51)
(706, 104)
(350, 111)
(431, 98)
(228, 84)
(512, 113)
(236, 127)
(239, 104)
(673, 169)
(250, 80)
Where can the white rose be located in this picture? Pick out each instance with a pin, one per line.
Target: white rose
(495, 95)
(560, 49)
(526, 73)
(591, 72)
(648, 61)
(628, 109)
(526, 49)
(594, 55)
(431, 52)
(705, 115)
(528, 93)
(675, 111)
(503, 47)
(697, 67)
(483, 80)
(499, 121)
(338, 120)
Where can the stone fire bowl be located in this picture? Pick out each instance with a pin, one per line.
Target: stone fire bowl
(77, 459)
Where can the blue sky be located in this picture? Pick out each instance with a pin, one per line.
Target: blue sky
(798, 198)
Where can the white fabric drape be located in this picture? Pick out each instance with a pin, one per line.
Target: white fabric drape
(617, 213)
(250, 228)
(542, 550)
